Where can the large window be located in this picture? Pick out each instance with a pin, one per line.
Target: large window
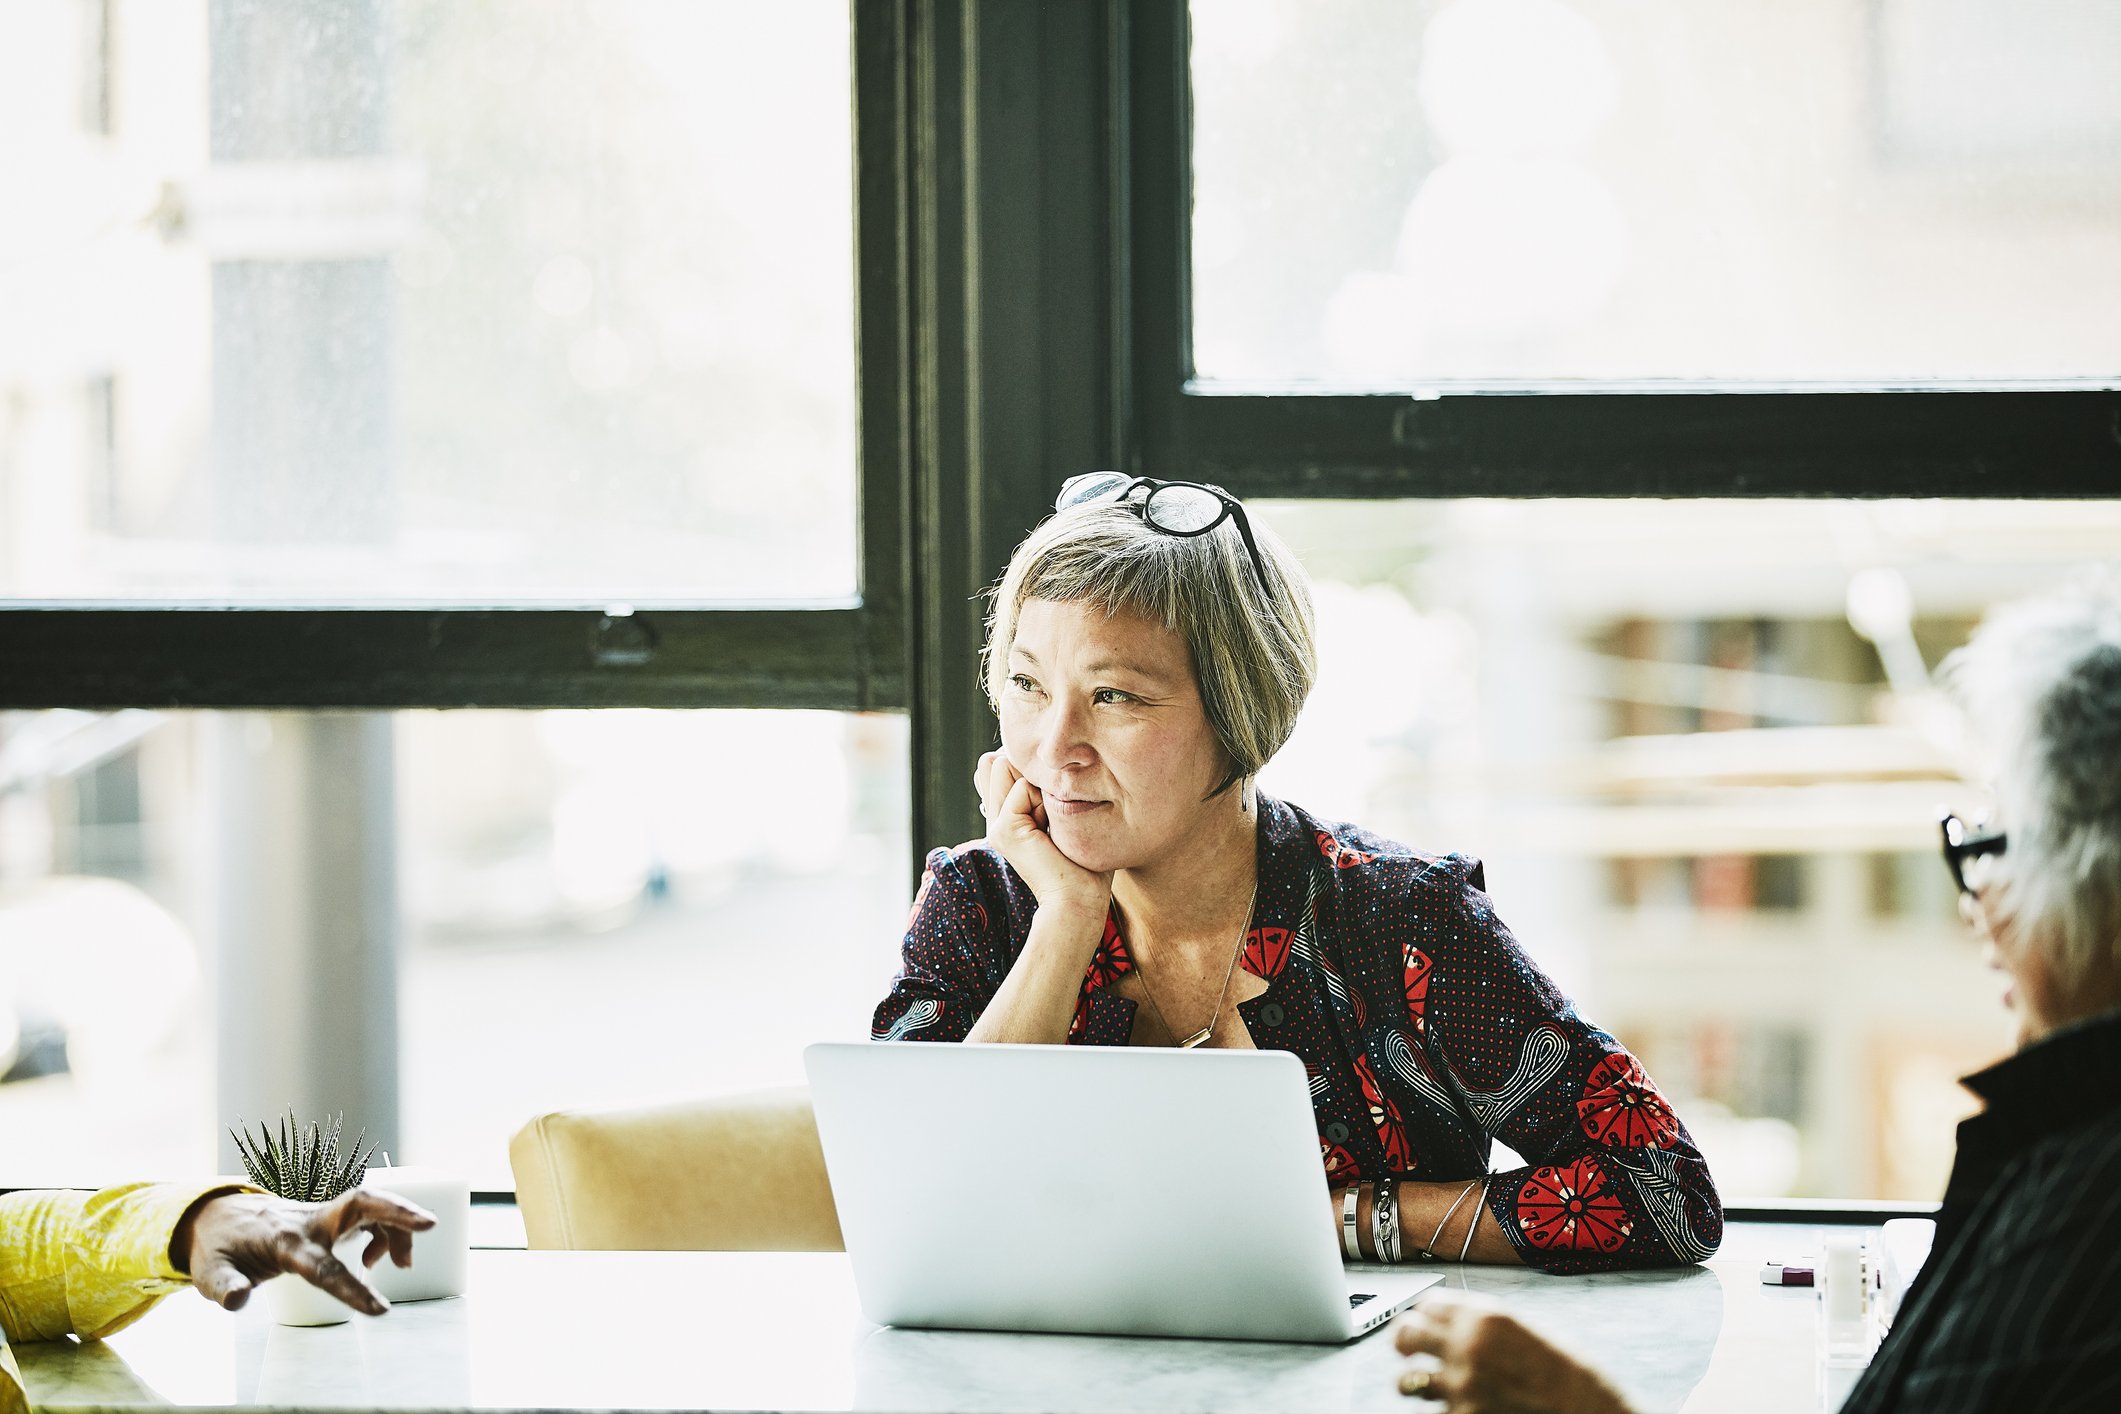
(1541, 247)
(385, 354)
(549, 301)
(1509, 191)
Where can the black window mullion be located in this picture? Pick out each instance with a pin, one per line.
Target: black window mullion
(2034, 444)
(148, 656)
(1159, 175)
(1015, 156)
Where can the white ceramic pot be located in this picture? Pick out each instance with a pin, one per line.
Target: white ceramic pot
(294, 1302)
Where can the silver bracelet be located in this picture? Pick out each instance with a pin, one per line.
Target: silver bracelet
(1445, 1221)
(1384, 1219)
(1478, 1209)
(1348, 1242)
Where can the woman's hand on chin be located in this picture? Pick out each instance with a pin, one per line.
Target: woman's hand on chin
(1017, 828)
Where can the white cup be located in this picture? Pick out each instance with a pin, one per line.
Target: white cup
(441, 1254)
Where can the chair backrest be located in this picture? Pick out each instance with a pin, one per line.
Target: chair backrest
(734, 1173)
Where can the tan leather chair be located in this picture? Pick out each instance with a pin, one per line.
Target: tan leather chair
(733, 1174)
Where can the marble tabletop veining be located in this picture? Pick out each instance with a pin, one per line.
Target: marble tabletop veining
(667, 1330)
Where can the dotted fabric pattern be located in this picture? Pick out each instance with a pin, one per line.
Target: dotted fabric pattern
(1425, 1029)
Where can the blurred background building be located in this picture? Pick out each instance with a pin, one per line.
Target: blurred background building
(552, 302)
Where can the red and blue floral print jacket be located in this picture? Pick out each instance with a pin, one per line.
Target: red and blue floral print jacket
(1426, 1031)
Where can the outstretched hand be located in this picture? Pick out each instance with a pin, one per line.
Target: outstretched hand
(232, 1242)
(1017, 828)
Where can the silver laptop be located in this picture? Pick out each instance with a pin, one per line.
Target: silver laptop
(1091, 1189)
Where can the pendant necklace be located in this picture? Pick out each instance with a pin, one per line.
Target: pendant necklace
(1187, 1043)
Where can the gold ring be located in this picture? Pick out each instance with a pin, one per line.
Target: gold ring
(1416, 1381)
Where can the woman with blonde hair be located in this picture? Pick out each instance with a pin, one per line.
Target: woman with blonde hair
(1148, 651)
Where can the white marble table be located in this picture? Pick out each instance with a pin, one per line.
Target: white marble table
(640, 1331)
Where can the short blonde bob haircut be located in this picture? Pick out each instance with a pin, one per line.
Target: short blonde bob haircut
(1255, 654)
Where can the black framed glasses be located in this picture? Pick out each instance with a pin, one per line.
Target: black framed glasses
(1963, 842)
(1181, 508)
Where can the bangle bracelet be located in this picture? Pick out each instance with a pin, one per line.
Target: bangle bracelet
(1478, 1209)
(1430, 1250)
(1347, 1224)
(1384, 1219)
(1366, 1221)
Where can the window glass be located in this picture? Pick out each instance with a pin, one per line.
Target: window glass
(608, 907)
(422, 299)
(1398, 192)
(1700, 749)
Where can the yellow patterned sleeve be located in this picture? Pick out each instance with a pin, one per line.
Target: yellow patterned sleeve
(89, 1264)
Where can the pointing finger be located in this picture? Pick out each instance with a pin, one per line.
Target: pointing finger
(323, 1270)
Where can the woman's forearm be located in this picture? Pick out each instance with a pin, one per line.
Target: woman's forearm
(1036, 1002)
(1436, 1217)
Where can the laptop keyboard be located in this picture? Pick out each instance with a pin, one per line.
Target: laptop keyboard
(1356, 1298)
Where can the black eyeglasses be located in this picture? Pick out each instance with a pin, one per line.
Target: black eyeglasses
(1181, 508)
(1963, 842)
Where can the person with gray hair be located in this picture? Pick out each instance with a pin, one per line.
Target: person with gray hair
(2019, 1304)
(1148, 650)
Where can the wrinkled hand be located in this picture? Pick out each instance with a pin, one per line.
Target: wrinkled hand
(234, 1241)
(1016, 827)
(1485, 1362)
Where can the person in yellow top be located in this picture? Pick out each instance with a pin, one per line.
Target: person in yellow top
(90, 1264)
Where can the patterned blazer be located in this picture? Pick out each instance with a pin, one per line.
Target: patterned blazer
(1426, 1030)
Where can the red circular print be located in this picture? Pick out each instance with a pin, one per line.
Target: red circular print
(1572, 1208)
(1418, 968)
(1385, 1118)
(1266, 952)
(1621, 1109)
(1110, 962)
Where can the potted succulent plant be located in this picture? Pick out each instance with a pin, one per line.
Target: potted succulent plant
(309, 1164)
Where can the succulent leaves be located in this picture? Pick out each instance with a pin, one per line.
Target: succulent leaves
(306, 1164)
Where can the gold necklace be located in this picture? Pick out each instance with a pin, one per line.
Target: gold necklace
(1189, 1042)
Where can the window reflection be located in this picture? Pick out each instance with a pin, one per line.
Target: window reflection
(415, 299)
(592, 907)
(1508, 190)
(1699, 747)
